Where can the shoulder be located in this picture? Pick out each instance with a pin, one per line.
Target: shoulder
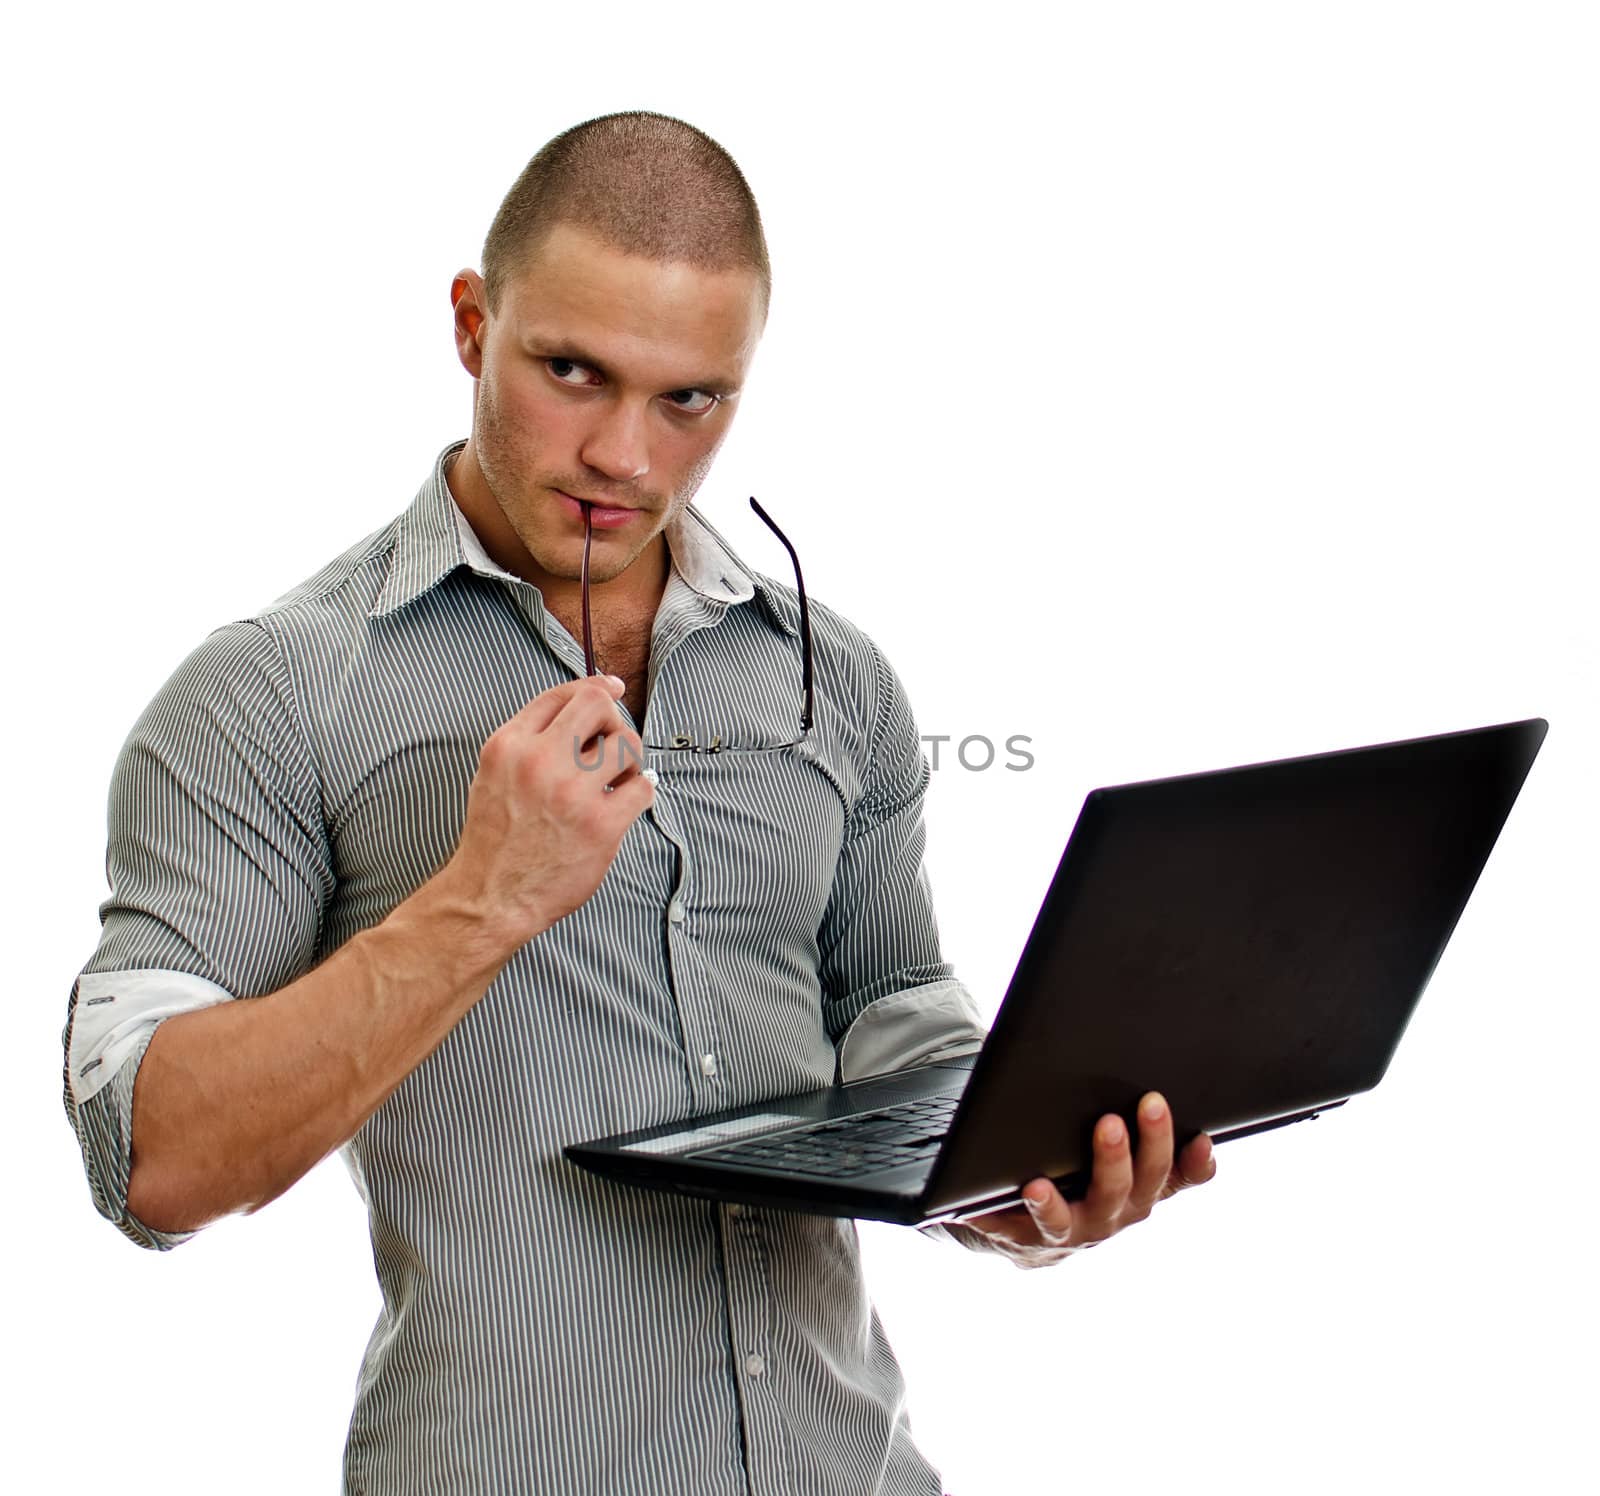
(845, 643)
(242, 676)
(310, 632)
(854, 677)
(340, 595)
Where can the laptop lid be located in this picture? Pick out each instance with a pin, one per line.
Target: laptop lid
(1251, 942)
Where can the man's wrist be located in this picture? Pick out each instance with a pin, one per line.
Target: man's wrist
(450, 923)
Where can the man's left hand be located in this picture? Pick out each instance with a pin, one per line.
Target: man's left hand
(1123, 1188)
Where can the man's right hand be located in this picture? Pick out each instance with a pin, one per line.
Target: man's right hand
(556, 789)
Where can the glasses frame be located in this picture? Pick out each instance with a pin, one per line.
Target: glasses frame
(683, 742)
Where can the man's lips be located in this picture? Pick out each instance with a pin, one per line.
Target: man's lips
(605, 516)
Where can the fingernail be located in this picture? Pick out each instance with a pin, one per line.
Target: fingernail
(1111, 1134)
(618, 682)
(1152, 1109)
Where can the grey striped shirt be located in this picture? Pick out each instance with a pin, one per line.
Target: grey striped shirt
(765, 927)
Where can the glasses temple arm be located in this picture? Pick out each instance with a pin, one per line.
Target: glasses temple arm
(805, 612)
(588, 637)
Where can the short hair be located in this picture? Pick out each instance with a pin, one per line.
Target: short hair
(647, 183)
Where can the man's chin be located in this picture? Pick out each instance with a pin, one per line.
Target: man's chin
(600, 573)
(565, 561)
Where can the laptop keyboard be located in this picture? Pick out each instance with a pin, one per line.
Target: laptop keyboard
(848, 1147)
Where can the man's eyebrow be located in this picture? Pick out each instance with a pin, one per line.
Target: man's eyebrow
(557, 347)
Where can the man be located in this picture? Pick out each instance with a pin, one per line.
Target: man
(395, 810)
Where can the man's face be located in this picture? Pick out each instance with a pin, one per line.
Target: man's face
(607, 378)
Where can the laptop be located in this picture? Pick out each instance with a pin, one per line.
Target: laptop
(1250, 942)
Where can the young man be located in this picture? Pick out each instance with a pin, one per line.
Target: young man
(396, 810)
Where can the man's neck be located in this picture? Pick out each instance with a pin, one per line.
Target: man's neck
(626, 603)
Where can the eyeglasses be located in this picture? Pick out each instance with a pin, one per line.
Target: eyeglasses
(683, 742)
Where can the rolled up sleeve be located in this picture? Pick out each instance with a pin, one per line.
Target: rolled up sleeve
(219, 870)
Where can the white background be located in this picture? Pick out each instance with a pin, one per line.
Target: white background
(1179, 385)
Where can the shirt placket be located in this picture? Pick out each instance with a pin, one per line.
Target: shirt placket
(687, 977)
(748, 1291)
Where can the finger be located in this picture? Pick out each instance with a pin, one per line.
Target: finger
(590, 713)
(614, 756)
(1152, 1166)
(631, 798)
(1051, 1215)
(1111, 1178)
(1198, 1161)
(1196, 1164)
(629, 754)
(539, 713)
(625, 752)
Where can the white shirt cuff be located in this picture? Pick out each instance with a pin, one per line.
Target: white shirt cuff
(115, 1009)
(917, 1026)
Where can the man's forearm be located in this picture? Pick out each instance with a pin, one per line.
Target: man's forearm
(234, 1103)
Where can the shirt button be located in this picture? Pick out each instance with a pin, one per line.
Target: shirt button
(708, 1065)
(675, 912)
(754, 1365)
(736, 1210)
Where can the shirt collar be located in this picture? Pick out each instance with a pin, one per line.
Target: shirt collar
(433, 537)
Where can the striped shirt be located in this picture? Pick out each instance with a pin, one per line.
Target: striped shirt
(765, 928)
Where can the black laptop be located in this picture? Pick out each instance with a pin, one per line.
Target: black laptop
(1249, 942)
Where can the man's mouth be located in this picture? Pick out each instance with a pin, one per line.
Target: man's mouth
(604, 516)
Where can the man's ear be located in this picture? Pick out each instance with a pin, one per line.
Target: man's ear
(472, 319)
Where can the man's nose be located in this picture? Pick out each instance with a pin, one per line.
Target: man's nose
(617, 444)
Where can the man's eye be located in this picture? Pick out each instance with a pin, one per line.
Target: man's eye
(696, 402)
(568, 371)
